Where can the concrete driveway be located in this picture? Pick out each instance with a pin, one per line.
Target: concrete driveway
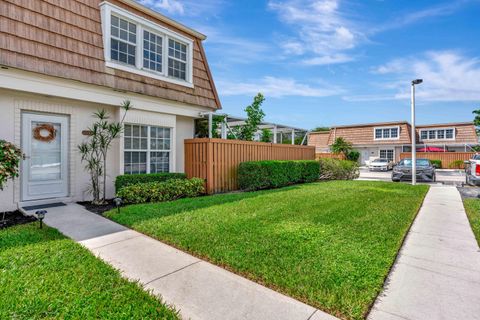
(445, 176)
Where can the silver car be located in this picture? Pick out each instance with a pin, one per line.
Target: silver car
(380, 164)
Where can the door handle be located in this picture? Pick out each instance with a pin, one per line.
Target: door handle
(25, 157)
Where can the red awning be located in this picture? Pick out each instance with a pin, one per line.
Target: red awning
(431, 149)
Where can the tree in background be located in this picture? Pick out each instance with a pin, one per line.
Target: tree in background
(476, 120)
(341, 146)
(320, 129)
(255, 116)
(201, 127)
(266, 135)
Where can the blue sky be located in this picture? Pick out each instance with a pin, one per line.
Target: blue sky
(333, 62)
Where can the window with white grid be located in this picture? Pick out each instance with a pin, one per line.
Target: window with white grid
(146, 149)
(123, 40)
(177, 59)
(152, 51)
(137, 45)
(438, 134)
(386, 133)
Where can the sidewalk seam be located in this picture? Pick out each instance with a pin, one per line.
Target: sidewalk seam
(170, 273)
(115, 242)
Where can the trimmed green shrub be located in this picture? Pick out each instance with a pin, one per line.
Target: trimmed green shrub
(353, 155)
(129, 179)
(457, 164)
(256, 175)
(335, 169)
(169, 190)
(437, 163)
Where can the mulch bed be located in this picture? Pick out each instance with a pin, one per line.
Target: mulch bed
(14, 218)
(98, 209)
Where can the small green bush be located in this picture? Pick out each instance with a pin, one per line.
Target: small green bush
(256, 175)
(129, 179)
(335, 169)
(437, 163)
(353, 155)
(457, 164)
(169, 190)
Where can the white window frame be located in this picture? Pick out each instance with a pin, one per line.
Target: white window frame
(107, 9)
(149, 150)
(436, 134)
(386, 152)
(390, 133)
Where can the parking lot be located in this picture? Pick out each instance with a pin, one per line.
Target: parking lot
(445, 176)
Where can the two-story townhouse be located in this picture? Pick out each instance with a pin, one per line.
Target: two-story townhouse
(389, 139)
(60, 61)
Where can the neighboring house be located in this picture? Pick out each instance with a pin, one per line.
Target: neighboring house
(60, 61)
(389, 139)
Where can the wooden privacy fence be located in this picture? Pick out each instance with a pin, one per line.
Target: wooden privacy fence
(323, 155)
(447, 158)
(217, 160)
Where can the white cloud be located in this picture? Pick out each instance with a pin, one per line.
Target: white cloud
(276, 87)
(322, 32)
(447, 75)
(440, 10)
(168, 6)
(184, 7)
(324, 60)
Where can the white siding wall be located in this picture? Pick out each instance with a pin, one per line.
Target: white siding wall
(13, 103)
(185, 130)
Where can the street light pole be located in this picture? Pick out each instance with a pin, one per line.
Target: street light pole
(413, 133)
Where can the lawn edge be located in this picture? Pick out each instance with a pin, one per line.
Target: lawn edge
(277, 289)
(469, 221)
(402, 244)
(117, 271)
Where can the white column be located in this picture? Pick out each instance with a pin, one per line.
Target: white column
(224, 129)
(210, 124)
(293, 136)
(274, 134)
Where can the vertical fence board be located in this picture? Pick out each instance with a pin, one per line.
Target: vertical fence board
(447, 158)
(217, 160)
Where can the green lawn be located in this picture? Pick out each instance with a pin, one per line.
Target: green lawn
(472, 207)
(330, 244)
(43, 275)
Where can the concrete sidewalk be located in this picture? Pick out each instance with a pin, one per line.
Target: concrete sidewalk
(198, 289)
(437, 273)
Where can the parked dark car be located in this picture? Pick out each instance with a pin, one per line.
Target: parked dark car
(425, 170)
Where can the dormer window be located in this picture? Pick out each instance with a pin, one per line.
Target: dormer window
(152, 51)
(438, 134)
(135, 44)
(177, 59)
(386, 133)
(123, 41)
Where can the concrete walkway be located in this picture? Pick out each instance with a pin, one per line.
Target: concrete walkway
(437, 274)
(198, 289)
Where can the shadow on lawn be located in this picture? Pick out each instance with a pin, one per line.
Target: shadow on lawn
(26, 235)
(143, 212)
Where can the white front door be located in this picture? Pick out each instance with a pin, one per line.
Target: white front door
(45, 168)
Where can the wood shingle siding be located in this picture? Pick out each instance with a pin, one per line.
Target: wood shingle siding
(64, 39)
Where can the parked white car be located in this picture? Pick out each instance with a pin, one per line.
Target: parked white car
(472, 171)
(380, 164)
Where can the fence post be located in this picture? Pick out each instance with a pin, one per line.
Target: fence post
(210, 182)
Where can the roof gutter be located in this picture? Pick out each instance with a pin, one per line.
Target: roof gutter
(163, 18)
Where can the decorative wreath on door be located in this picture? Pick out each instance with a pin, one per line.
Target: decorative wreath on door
(44, 132)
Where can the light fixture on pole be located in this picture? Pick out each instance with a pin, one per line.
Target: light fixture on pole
(413, 133)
